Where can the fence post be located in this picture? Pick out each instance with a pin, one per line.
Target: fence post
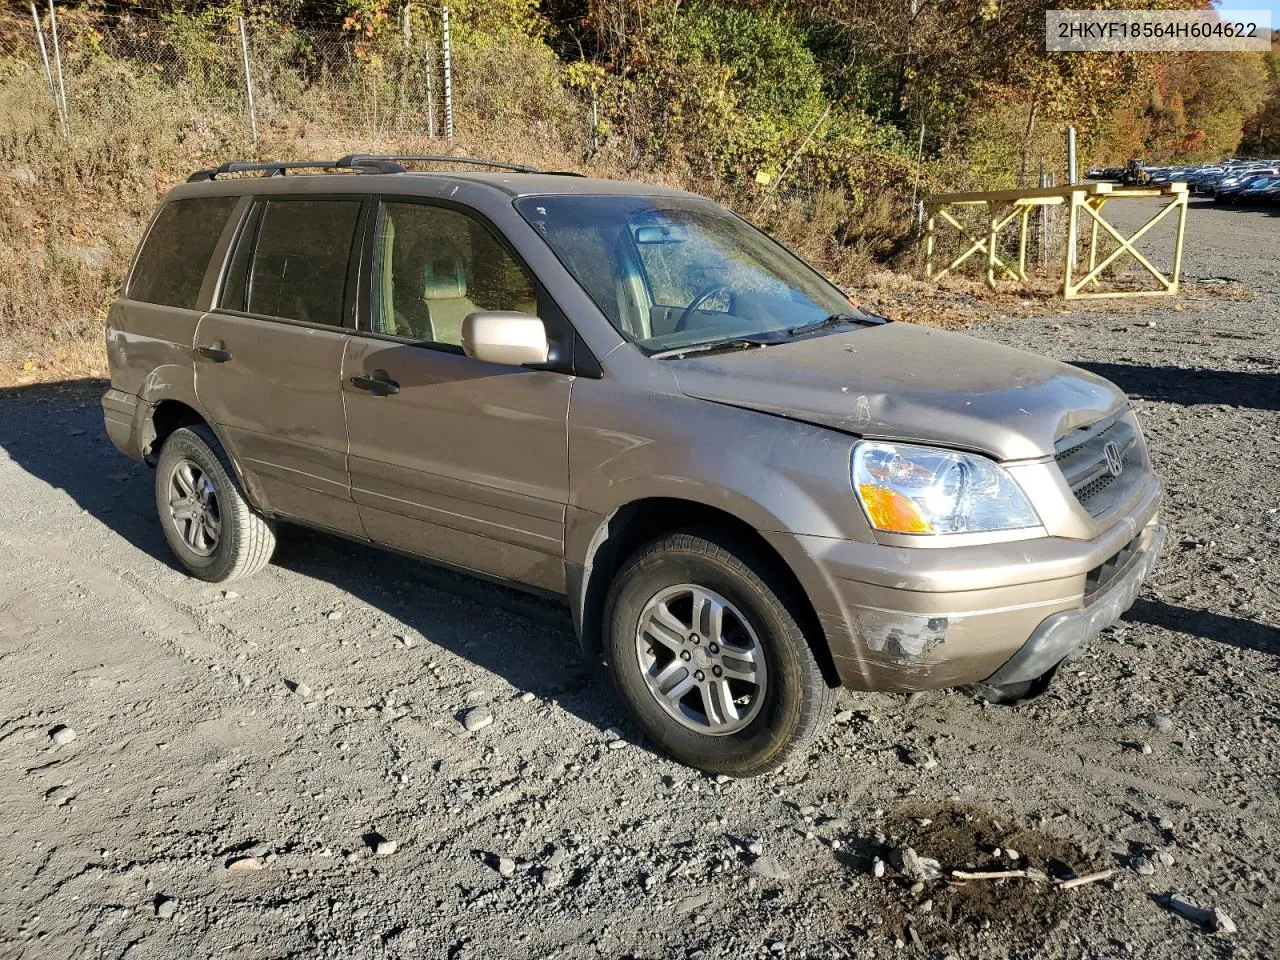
(406, 61)
(44, 57)
(431, 89)
(915, 187)
(1044, 220)
(248, 80)
(57, 59)
(448, 74)
(595, 119)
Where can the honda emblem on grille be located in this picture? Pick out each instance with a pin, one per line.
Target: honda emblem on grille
(1115, 463)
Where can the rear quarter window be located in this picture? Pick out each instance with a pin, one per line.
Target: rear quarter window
(175, 256)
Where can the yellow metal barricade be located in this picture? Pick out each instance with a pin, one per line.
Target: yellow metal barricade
(1083, 202)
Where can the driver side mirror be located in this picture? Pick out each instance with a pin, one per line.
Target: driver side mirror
(506, 337)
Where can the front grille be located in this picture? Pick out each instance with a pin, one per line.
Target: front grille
(1082, 457)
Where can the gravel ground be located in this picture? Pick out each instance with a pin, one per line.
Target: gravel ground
(283, 769)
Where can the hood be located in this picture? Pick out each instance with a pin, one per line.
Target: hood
(899, 381)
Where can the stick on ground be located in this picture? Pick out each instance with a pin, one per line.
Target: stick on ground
(1087, 878)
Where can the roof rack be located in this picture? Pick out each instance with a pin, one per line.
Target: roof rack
(362, 159)
(279, 168)
(356, 162)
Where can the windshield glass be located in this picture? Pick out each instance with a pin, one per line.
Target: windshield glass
(675, 272)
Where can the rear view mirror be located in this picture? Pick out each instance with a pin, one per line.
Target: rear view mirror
(504, 336)
(663, 233)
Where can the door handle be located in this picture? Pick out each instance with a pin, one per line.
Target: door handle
(378, 383)
(218, 353)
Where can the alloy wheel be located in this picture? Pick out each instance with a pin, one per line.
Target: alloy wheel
(701, 659)
(193, 507)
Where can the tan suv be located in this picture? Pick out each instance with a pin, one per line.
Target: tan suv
(749, 491)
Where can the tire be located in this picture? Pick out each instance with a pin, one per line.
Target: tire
(770, 721)
(226, 539)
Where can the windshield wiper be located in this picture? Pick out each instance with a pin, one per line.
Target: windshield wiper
(835, 320)
(732, 343)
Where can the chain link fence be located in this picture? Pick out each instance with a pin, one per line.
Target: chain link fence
(100, 66)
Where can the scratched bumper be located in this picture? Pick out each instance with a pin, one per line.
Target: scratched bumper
(900, 620)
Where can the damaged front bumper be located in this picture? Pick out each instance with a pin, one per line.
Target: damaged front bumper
(1063, 633)
(900, 619)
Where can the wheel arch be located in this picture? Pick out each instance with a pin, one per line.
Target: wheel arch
(170, 414)
(638, 522)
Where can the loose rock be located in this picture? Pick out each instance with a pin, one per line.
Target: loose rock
(769, 869)
(62, 735)
(914, 866)
(477, 718)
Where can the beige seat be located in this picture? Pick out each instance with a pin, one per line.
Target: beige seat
(444, 291)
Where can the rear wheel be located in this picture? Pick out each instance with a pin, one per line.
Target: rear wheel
(208, 523)
(706, 651)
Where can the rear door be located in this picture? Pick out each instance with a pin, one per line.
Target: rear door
(269, 356)
(451, 458)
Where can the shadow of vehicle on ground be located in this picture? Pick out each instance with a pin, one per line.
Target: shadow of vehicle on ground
(55, 433)
(1228, 630)
(1260, 391)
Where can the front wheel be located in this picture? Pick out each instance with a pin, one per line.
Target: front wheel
(706, 652)
(210, 526)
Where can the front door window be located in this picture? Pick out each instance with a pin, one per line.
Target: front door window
(432, 266)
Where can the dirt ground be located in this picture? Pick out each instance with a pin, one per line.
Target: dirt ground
(240, 755)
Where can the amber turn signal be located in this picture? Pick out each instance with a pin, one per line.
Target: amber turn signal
(891, 511)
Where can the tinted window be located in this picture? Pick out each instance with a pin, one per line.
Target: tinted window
(432, 266)
(172, 264)
(300, 263)
(235, 285)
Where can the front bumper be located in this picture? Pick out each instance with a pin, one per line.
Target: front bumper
(1063, 633)
(901, 619)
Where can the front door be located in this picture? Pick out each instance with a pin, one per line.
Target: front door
(451, 458)
(269, 356)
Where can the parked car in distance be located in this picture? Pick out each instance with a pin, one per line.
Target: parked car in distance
(1231, 192)
(1256, 191)
(749, 491)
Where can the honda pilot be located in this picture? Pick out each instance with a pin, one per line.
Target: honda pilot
(749, 491)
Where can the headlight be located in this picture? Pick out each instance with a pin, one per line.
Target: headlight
(909, 489)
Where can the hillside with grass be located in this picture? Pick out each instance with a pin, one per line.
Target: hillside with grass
(821, 122)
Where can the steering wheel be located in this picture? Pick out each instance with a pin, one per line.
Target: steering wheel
(698, 301)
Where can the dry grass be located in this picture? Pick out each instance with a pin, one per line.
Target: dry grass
(71, 210)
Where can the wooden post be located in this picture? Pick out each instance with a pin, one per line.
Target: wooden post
(993, 235)
(928, 243)
(1022, 241)
(1177, 241)
(1073, 204)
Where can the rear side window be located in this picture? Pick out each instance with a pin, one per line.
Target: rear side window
(175, 257)
(299, 269)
